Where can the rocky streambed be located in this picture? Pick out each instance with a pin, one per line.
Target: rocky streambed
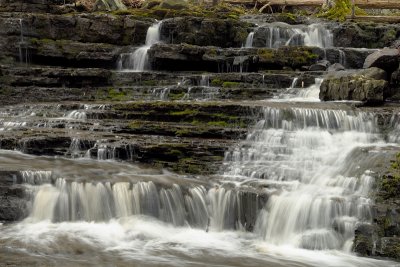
(220, 136)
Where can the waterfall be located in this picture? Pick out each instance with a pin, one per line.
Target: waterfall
(294, 82)
(22, 45)
(160, 93)
(249, 40)
(76, 115)
(279, 34)
(205, 80)
(342, 58)
(308, 94)
(102, 201)
(139, 59)
(304, 156)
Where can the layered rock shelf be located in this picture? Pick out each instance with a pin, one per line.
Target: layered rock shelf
(68, 90)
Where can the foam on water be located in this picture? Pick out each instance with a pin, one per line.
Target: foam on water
(148, 242)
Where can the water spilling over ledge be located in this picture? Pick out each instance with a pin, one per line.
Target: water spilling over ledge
(123, 167)
(275, 35)
(139, 59)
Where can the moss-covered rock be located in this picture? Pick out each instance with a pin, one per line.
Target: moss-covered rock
(368, 86)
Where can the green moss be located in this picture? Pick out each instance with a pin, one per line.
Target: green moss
(116, 95)
(390, 183)
(287, 17)
(182, 132)
(216, 82)
(183, 112)
(230, 84)
(176, 96)
(340, 10)
(218, 123)
(135, 124)
(287, 56)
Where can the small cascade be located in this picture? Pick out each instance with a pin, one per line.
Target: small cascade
(201, 93)
(160, 93)
(76, 148)
(249, 40)
(139, 60)
(279, 34)
(36, 177)
(394, 134)
(303, 156)
(76, 115)
(216, 209)
(105, 152)
(205, 80)
(309, 94)
(11, 125)
(342, 58)
(294, 82)
(22, 45)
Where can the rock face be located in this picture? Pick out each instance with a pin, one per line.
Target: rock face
(213, 59)
(108, 5)
(12, 202)
(366, 86)
(386, 59)
(381, 237)
(205, 32)
(368, 35)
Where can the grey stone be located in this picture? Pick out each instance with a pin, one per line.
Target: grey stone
(367, 86)
(386, 59)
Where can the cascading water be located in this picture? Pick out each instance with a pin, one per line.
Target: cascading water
(308, 94)
(22, 45)
(342, 58)
(301, 154)
(139, 60)
(279, 34)
(205, 80)
(394, 135)
(249, 40)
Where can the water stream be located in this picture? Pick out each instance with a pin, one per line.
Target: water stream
(279, 34)
(139, 60)
(291, 194)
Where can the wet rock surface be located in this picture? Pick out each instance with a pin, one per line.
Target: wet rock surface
(367, 86)
(61, 95)
(381, 237)
(386, 59)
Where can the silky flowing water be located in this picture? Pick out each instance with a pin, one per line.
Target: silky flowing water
(291, 194)
(310, 169)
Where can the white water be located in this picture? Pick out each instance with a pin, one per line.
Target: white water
(303, 155)
(249, 40)
(76, 115)
(299, 94)
(342, 58)
(311, 166)
(139, 59)
(279, 34)
(394, 134)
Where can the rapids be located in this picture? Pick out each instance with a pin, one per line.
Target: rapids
(290, 195)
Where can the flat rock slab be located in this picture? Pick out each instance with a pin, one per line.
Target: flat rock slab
(386, 59)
